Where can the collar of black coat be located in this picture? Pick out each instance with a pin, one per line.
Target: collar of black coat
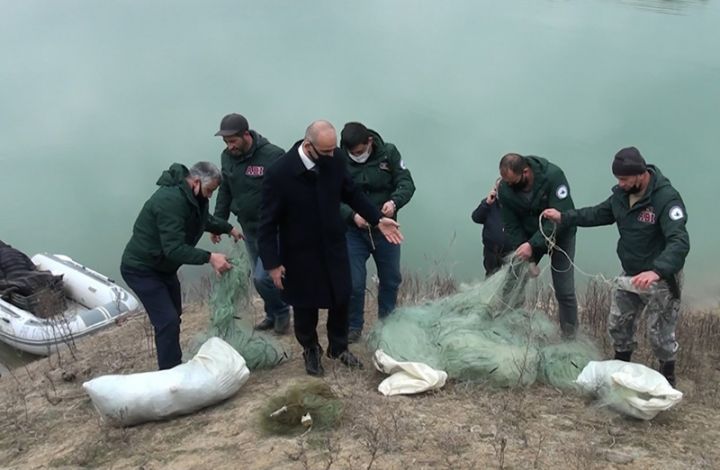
(297, 165)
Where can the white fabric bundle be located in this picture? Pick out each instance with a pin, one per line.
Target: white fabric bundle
(407, 377)
(629, 388)
(215, 373)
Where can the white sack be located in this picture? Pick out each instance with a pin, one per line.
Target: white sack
(215, 373)
(407, 377)
(629, 388)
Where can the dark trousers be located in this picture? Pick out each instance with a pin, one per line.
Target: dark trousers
(306, 320)
(275, 307)
(492, 259)
(160, 295)
(563, 278)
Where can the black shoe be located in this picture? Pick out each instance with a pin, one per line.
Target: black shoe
(282, 325)
(668, 370)
(266, 324)
(348, 359)
(313, 365)
(354, 336)
(623, 355)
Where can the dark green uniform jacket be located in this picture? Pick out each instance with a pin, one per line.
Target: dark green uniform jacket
(653, 236)
(382, 177)
(520, 213)
(169, 226)
(242, 182)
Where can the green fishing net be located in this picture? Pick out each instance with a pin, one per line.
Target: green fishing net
(310, 404)
(560, 364)
(483, 334)
(232, 319)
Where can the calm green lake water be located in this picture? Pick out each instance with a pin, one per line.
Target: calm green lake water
(99, 97)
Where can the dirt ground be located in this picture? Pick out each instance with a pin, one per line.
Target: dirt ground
(47, 421)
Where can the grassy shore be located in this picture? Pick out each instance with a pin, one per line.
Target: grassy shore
(46, 420)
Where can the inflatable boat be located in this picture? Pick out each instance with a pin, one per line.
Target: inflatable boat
(92, 302)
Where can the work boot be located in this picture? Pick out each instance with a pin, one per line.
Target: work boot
(348, 359)
(623, 355)
(313, 364)
(354, 336)
(264, 325)
(282, 325)
(667, 368)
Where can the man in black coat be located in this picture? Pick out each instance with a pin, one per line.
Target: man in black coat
(302, 239)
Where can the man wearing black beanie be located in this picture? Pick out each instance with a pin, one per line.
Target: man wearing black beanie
(653, 245)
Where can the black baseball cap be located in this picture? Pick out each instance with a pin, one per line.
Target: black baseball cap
(232, 124)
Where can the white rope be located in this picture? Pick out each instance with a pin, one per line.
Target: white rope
(552, 245)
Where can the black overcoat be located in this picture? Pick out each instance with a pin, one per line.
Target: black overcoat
(301, 228)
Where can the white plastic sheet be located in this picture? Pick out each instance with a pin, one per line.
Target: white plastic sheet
(629, 388)
(407, 377)
(215, 373)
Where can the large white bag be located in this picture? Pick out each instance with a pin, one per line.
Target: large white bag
(407, 377)
(215, 373)
(629, 388)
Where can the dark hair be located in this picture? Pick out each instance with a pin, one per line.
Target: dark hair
(354, 134)
(513, 162)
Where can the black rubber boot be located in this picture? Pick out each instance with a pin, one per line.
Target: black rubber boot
(667, 368)
(313, 364)
(623, 355)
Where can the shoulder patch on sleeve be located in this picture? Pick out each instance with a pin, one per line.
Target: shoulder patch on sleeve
(676, 213)
(562, 191)
(402, 164)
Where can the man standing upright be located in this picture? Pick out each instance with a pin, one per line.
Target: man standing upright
(302, 239)
(653, 245)
(378, 170)
(530, 185)
(245, 160)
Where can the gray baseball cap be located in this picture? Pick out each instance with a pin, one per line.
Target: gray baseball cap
(232, 124)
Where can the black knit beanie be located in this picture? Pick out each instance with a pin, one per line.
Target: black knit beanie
(628, 162)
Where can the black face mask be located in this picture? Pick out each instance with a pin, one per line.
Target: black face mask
(633, 190)
(520, 184)
(321, 160)
(199, 196)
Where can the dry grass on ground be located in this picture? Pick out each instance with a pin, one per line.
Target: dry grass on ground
(46, 420)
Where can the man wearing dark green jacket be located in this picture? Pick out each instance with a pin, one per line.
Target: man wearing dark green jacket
(245, 160)
(378, 170)
(164, 236)
(653, 245)
(529, 186)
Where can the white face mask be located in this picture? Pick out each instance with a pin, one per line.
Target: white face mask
(362, 158)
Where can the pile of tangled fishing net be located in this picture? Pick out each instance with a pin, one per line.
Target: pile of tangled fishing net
(306, 405)
(483, 334)
(231, 320)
